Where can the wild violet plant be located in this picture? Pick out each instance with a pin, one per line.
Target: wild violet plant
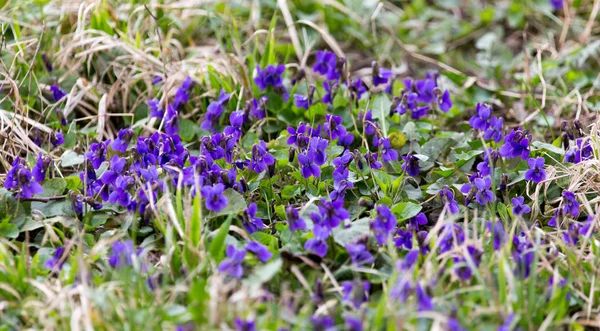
(333, 187)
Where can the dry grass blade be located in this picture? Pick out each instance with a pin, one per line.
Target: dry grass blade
(289, 21)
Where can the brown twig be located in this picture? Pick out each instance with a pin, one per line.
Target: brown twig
(45, 199)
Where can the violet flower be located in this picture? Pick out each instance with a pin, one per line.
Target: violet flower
(259, 250)
(295, 222)
(232, 265)
(411, 165)
(519, 207)
(448, 199)
(261, 159)
(516, 144)
(383, 224)
(359, 254)
(536, 172)
(214, 198)
(252, 223)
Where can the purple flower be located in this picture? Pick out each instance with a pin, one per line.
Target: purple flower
(581, 151)
(40, 168)
(295, 222)
(444, 102)
(481, 119)
(411, 165)
(388, 154)
(244, 325)
(333, 127)
(123, 138)
(383, 224)
(570, 204)
(356, 292)
(214, 111)
(236, 121)
(380, 75)
(232, 265)
(463, 269)
(55, 261)
(480, 188)
(214, 198)
(451, 235)
(121, 194)
(261, 159)
(341, 164)
(523, 255)
(536, 172)
(57, 93)
(261, 251)
(414, 223)
(97, 153)
(359, 254)
(326, 65)
(571, 237)
(123, 252)
(371, 159)
(257, 108)
(171, 120)
(157, 80)
(316, 246)
(182, 93)
(300, 136)
(425, 89)
(519, 207)
(556, 4)
(155, 110)
(321, 232)
(553, 221)
(358, 88)
(403, 239)
(494, 130)
(507, 325)
(270, 76)
(330, 88)
(424, 301)
(454, 325)
(448, 199)
(322, 323)
(250, 221)
(516, 144)
(21, 180)
(308, 167)
(332, 213)
(57, 139)
(353, 323)
(302, 101)
(366, 118)
(498, 234)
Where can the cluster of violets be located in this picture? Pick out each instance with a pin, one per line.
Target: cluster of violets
(132, 172)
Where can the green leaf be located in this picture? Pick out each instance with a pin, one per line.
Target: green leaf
(196, 222)
(406, 210)
(54, 187)
(464, 157)
(70, 158)
(266, 239)
(381, 109)
(9, 230)
(217, 245)
(548, 147)
(187, 129)
(265, 272)
(344, 236)
(235, 204)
